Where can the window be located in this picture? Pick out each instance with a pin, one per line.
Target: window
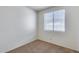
(48, 21)
(59, 20)
(54, 21)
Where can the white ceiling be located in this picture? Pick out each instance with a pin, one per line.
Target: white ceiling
(38, 8)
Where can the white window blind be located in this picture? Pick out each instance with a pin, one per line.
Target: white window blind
(48, 21)
(54, 21)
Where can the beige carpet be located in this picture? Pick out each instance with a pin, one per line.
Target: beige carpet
(39, 46)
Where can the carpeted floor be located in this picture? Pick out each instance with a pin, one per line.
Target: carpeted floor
(39, 46)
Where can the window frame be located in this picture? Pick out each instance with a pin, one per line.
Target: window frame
(60, 10)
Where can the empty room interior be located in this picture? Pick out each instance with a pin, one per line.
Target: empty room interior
(39, 29)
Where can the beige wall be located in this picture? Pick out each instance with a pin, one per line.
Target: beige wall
(70, 38)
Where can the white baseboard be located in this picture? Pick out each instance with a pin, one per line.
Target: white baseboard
(19, 44)
(58, 44)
